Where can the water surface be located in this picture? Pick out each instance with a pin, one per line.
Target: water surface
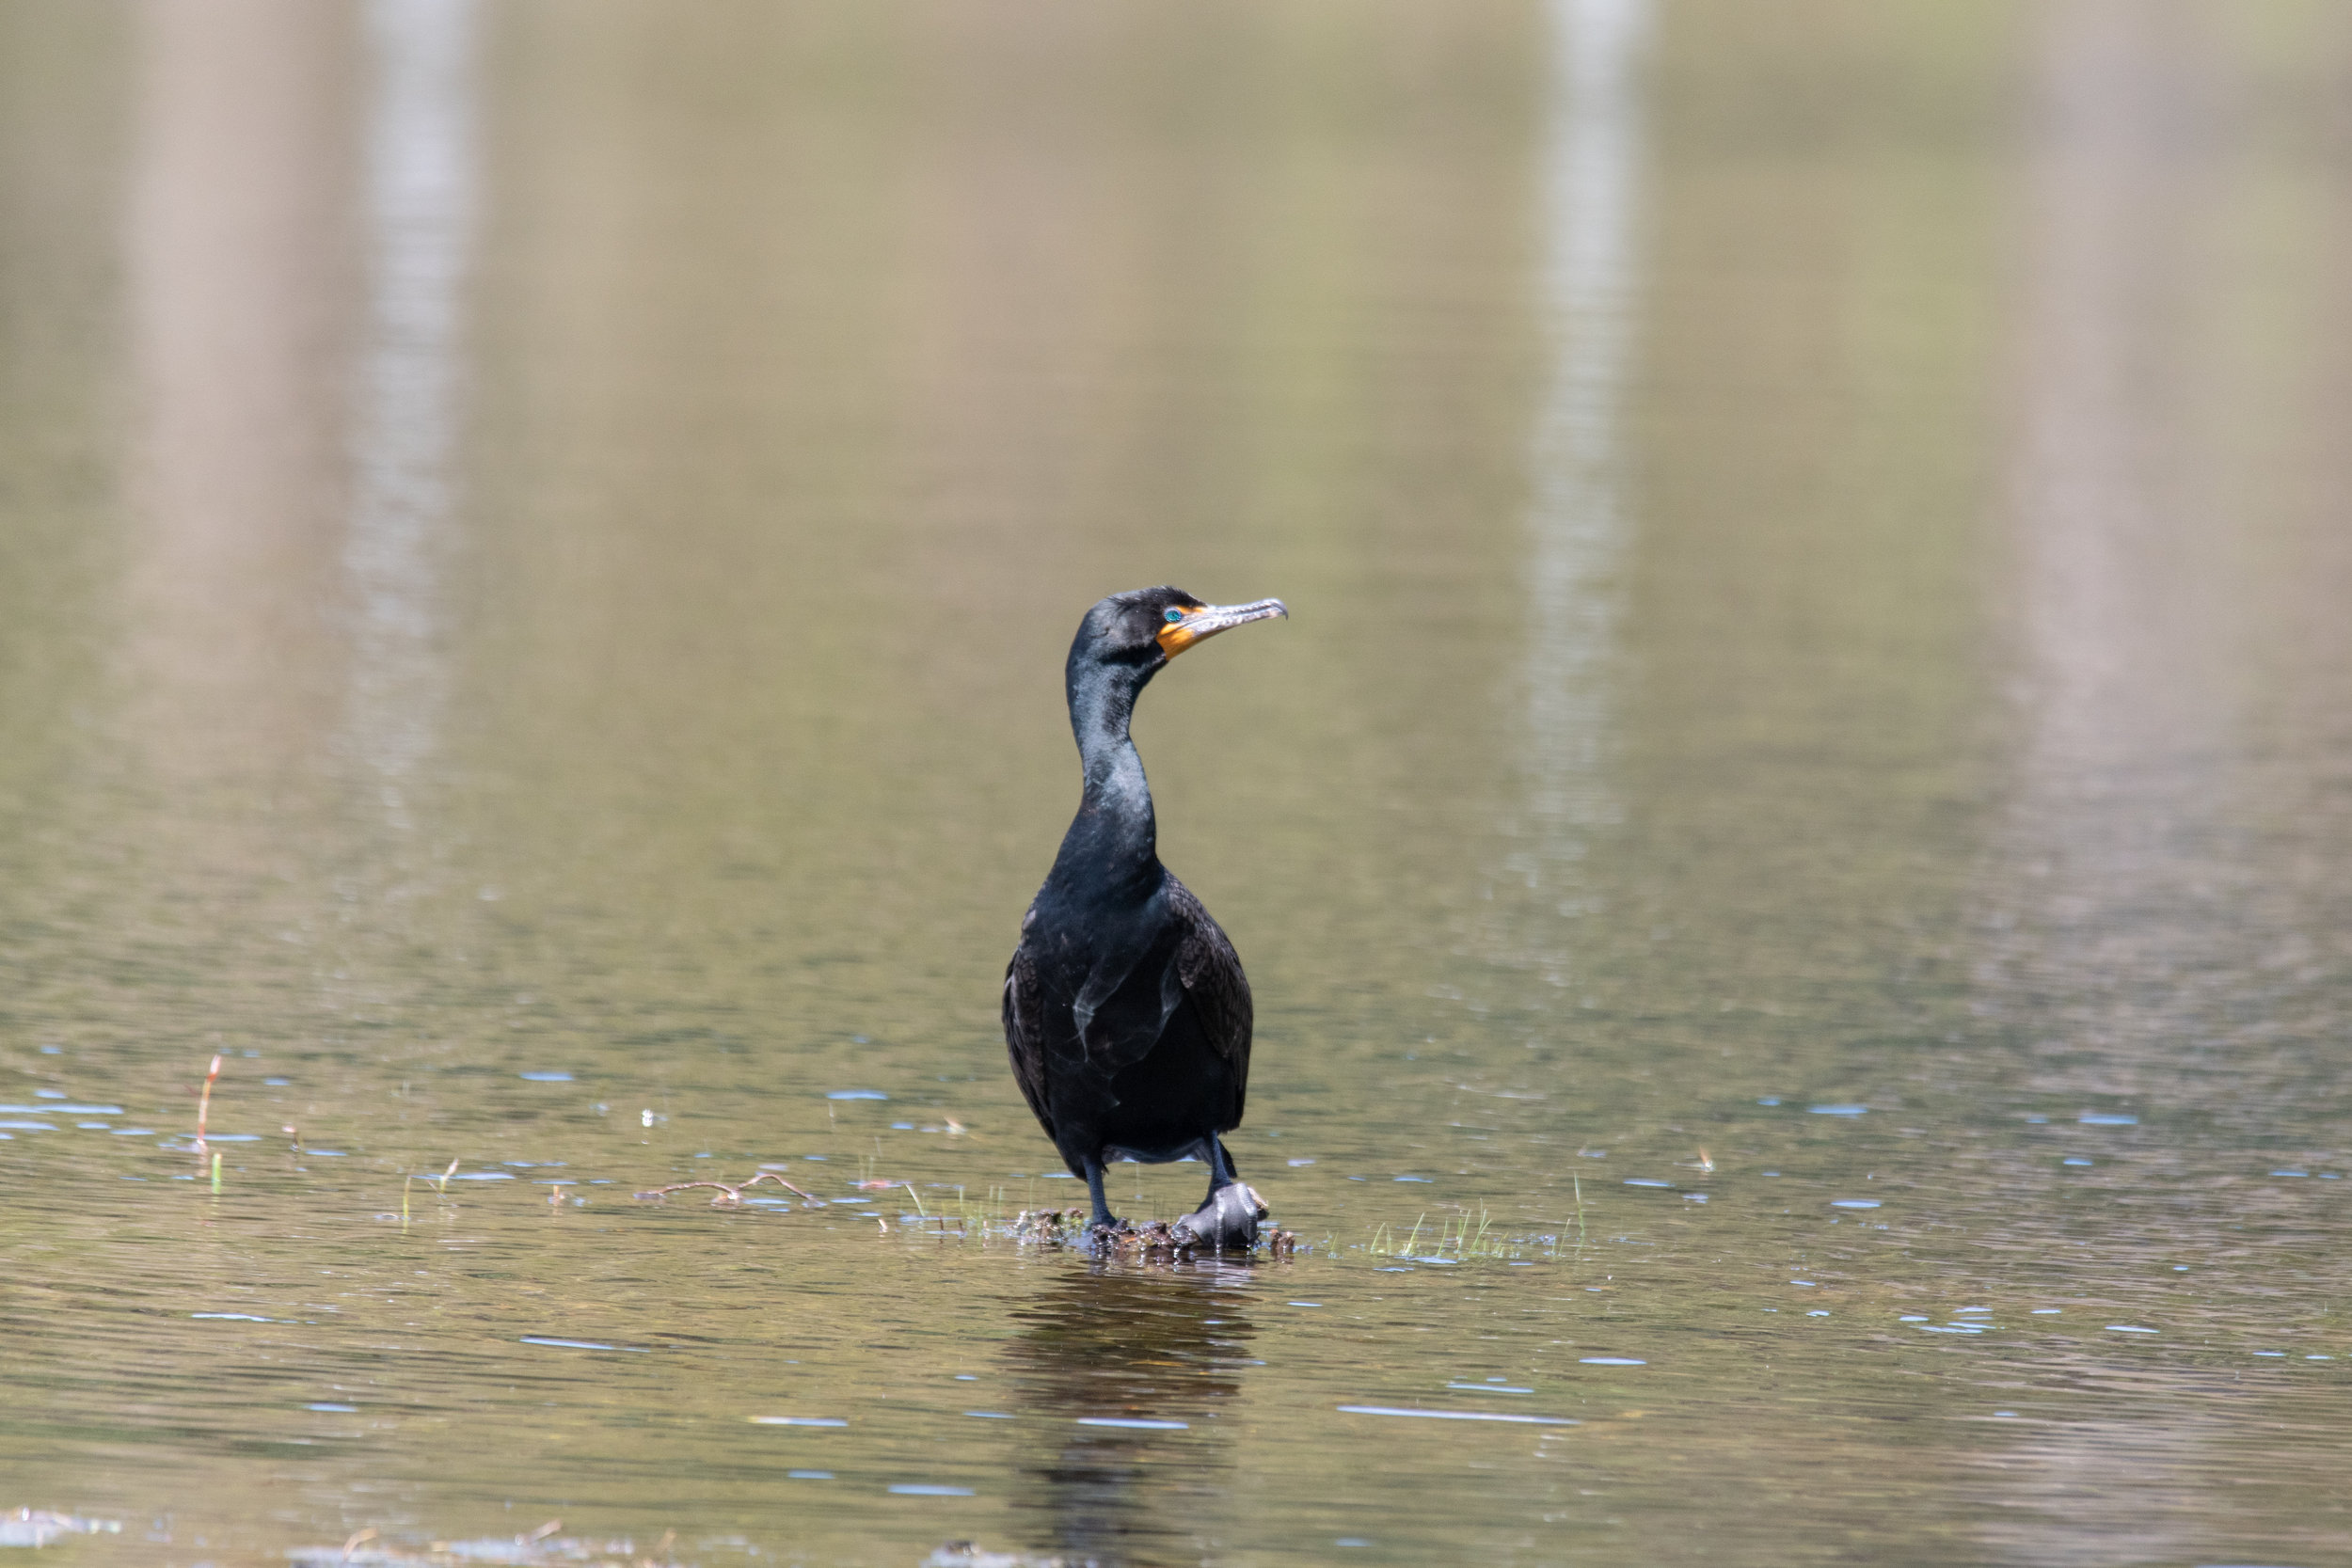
(1792, 854)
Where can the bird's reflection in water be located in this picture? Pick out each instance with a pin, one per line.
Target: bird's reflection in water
(1129, 1344)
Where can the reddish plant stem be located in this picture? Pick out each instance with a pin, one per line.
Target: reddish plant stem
(204, 1105)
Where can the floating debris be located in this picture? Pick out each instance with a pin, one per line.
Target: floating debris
(731, 1193)
(546, 1545)
(1457, 1415)
(1157, 1241)
(968, 1554)
(37, 1526)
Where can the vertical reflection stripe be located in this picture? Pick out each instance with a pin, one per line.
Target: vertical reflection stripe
(420, 195)
(1579, 522)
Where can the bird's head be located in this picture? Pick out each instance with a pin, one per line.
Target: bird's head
(1147, 627)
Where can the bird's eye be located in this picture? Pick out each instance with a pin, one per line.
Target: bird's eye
(1171, 615)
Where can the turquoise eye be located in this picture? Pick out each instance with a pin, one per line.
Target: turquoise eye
(1172, 615)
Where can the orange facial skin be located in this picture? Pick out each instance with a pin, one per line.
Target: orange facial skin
(1175, 636)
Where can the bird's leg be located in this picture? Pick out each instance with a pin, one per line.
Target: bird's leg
(1221, 1172)
(1103, 1216)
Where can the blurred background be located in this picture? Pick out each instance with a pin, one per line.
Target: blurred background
(536, 545)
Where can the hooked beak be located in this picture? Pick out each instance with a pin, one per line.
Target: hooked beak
(1200, 624)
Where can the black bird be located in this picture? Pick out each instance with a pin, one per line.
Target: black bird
(1126, 1012)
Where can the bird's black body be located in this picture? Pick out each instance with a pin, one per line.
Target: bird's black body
(1126, 1012)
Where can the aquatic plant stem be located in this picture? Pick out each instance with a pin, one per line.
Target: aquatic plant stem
(204, 1102)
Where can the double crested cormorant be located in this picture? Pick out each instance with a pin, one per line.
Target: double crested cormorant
(1126, 1012)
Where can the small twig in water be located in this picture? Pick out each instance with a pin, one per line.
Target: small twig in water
(544, 1531)
(918, 1199)
(357, 1537)
(730, 1192)
(443, 1183)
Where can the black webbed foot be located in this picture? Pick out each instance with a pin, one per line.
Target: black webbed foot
(1106, 1236)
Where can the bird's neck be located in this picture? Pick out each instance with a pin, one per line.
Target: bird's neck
(1113, 843)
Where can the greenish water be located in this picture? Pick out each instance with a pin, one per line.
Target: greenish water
(1804, 801)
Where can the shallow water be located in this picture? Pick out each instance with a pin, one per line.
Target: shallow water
(1794, 854)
